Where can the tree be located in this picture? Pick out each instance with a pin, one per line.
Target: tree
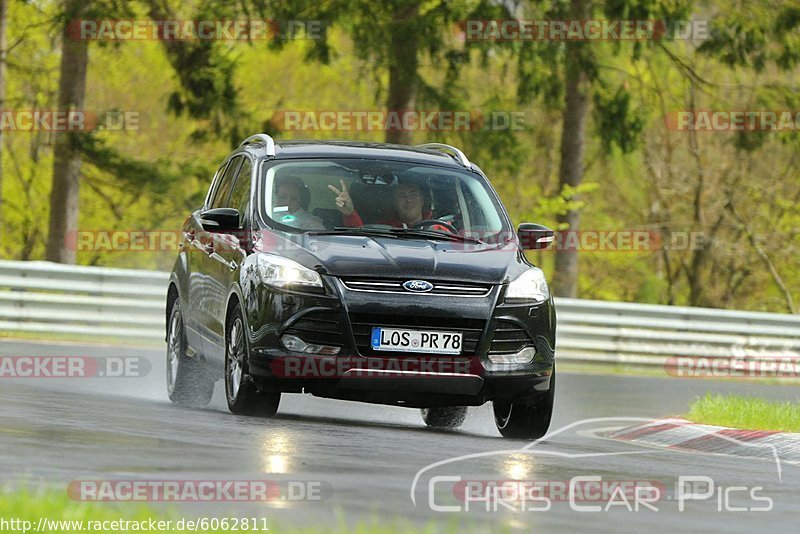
(403, 65)
(394, 36)
(205, 71)
(753, 37)
(722, 187)
(573, 132)
(3, 60)
(576, 72)
(67, 155)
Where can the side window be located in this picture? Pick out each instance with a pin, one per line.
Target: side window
(214, 184)
(225, 185)
(240, 196)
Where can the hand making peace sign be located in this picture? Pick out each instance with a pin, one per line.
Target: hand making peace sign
(343, 201)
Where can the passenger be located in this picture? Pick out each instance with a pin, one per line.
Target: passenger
(290, 202)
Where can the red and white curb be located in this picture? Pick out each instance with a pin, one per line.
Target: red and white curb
(680, 434)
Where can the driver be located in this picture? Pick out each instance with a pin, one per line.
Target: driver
(409, 207)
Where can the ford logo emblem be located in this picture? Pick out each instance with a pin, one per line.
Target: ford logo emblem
(418, 286)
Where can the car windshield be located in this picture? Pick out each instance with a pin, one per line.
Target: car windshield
(380, 197)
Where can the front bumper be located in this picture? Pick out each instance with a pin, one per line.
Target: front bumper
(342, 316)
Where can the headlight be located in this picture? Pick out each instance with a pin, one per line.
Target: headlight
(282, 272)
(531, 286)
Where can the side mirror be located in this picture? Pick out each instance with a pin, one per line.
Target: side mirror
(220, 220)
(535, 236)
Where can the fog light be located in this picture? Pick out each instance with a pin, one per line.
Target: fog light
(524, 356)
(295, 344)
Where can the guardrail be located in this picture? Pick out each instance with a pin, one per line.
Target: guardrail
(42, 297)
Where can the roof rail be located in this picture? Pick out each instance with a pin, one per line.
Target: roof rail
(447, 149)
(261, 139)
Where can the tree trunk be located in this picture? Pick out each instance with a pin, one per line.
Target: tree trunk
(576, 106)
(697, 286)
(66, 154)
(403, 64)
(3, 57)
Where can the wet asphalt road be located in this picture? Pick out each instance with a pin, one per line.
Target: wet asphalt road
(364, 458)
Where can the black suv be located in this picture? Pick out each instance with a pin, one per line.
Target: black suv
(361, 271)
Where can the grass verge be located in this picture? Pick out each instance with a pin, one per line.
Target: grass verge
(750, 413)
(22, 509)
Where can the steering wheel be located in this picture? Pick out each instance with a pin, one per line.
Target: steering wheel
(435, 222)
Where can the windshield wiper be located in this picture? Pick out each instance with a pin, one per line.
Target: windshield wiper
(435, 234)
(355, 230)
(394, 233)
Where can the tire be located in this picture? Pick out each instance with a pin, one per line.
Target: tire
(241, 391)
(188, 382)
(526, 421)
(444, 417)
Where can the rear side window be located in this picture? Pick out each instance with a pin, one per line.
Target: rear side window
(224, 188)
(240, 196)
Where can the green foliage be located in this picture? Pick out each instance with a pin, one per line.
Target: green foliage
(372, 25)
(616, 120)
(133, 173)
(653, 290)
(205, 70)
(755, 34)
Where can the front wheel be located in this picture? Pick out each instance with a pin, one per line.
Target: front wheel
(188, 383)
(444, 417)
(240, 390)
(526, 421)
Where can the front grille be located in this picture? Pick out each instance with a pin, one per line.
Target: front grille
(362, 330)
(454, 289)
(508, 337)
(319, 327)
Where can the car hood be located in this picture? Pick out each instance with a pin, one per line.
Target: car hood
(383, 257)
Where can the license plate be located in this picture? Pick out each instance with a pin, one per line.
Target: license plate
(432, 342)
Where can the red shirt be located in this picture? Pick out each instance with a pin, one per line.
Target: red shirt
(354, 219)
